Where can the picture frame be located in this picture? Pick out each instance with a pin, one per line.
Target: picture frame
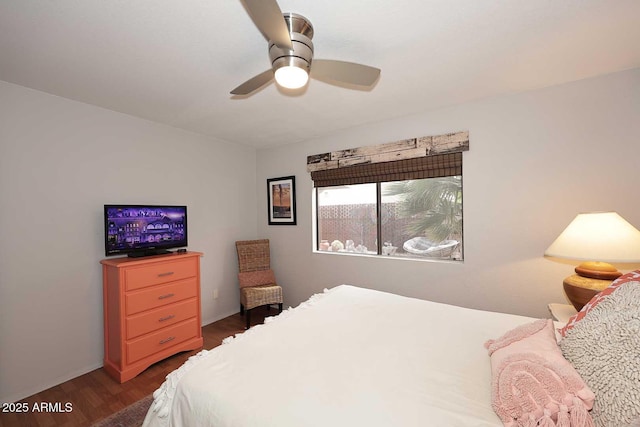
(281, 200)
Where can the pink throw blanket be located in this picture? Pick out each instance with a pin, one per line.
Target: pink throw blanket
(533, 384)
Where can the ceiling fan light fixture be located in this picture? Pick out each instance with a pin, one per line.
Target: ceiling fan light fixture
(291, 72)
(291, 77)
(291, 54)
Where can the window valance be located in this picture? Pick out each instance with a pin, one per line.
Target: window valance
(417, 158)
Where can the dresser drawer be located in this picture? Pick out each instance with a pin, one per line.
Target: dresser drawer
(158, 296)
(162, 272)
(165, 338)
(150, 321)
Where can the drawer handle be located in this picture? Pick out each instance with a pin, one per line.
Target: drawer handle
(165, 318)
(168, 273)
(165, 296)
(164, 341)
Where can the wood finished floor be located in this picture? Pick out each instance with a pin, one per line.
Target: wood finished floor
(96, 395)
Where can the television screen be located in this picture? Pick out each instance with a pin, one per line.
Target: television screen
(141, 230)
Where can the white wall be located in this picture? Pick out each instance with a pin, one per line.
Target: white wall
(60, 161)
(536, 160)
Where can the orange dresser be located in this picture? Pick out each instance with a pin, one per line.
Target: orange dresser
(151, 310)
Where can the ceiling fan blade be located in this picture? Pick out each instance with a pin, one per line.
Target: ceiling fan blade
(254, 83)
(267, 16)
(332, 71)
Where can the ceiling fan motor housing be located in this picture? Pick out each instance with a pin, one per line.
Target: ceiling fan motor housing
(301, 32)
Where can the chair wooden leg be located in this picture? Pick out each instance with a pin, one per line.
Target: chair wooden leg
(248, 319)
(241, 310)
(280, 308)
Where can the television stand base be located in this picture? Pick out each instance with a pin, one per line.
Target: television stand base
(149, 253)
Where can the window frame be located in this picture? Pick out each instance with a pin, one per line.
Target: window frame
(316, 224)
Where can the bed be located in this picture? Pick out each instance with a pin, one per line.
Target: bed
(346, 357)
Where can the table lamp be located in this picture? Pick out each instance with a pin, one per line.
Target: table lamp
(597, 238)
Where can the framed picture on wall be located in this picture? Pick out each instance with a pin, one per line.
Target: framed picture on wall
(281, 199)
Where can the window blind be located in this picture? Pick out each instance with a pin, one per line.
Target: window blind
(433, 166)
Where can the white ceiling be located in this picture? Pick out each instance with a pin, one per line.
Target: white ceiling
(175, 61)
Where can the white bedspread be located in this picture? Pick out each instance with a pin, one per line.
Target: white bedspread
(347, 357)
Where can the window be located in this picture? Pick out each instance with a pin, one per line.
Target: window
(400, 199)
(422, 218)
(415, 218)
(347, 218)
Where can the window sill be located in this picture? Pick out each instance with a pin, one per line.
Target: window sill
(396, 256)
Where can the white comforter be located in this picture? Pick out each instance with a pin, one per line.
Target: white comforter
(347, 357)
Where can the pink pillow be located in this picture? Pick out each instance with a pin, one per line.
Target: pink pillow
(256, 278)
(532, 381)
(633, 276)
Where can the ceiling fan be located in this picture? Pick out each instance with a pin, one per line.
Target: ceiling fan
(291, 53)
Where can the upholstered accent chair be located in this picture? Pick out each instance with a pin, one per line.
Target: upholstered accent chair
(258, 285)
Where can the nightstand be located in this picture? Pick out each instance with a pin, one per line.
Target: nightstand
(561, 312)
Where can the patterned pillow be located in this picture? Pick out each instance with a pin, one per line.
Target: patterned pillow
(531, 380)
(633, 276)
(604, 347)
(256, 278)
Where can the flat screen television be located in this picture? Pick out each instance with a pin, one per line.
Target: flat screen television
(144, 230)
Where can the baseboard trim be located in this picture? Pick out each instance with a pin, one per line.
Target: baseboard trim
(211, 320)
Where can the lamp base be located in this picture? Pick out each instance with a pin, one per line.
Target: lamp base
(580, 290)
(598, 270)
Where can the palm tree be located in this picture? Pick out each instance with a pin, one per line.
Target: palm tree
(433, 204)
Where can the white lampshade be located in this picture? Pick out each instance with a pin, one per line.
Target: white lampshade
(598, 236)
(291, 77)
